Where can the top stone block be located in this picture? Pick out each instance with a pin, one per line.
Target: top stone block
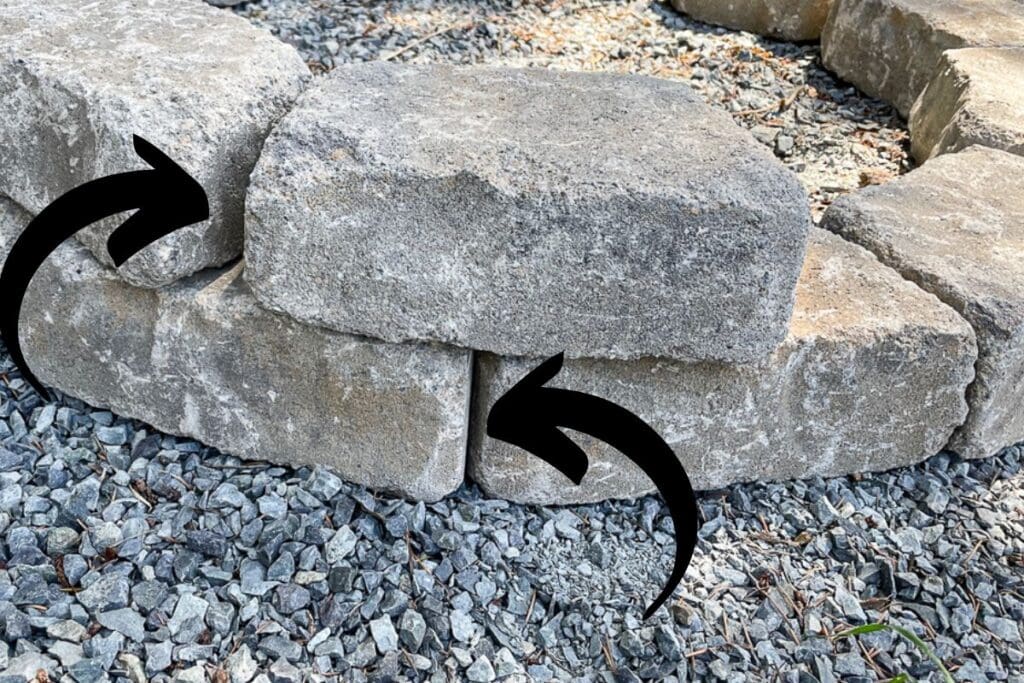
(525, 212)
(78, 79)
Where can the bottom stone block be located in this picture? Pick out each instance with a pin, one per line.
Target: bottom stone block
(871, 376)
(200, 359)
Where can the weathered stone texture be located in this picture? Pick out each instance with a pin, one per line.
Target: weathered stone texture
(78, 79)
(977, 97)
(525, 212)
(785, 19)
(892, 48)
(200, 359)
(871, 376)
(956, 227)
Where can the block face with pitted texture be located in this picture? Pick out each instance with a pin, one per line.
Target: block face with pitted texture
(891, 49)
(976, 98)
(79, 79)
(525, 212)
(784, 19)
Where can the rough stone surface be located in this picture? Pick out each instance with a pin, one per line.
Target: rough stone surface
(871, 376)
(956, 227)
(892, 48)
(201, 359)
(977, 97)
(525, 212)
(785, 19)
(78, 79)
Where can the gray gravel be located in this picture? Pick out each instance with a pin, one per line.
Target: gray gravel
(835, 138)
(131, 555)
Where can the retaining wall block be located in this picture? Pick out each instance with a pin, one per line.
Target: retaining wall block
(955, 226)
(977, 98)
(78, 79)
(201, 359)
(871, 376)
(891, 48)
(783, 19)
(525, 212)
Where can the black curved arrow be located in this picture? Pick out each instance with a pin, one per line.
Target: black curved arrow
(529, 416)
(167, 199)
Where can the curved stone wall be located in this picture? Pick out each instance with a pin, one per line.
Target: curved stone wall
(407, 258)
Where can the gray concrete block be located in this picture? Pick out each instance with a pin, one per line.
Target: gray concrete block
(525, 212)
(78, 79)
(891, 48)
(201, 359)
(785, 19)
(976, 98)
(955, 226)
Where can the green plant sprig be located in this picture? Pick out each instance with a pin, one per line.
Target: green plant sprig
(909, 635)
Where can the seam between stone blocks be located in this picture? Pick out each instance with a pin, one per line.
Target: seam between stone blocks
(471, 413)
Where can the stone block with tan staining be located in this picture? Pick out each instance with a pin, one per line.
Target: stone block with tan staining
(200, 359)
(785, 19)
(871, 376)
(891, 49)
(78, 79)
(955, 226)
(976, 98)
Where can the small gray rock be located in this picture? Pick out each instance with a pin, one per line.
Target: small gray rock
(109, 592)
(1004, 629)
(384, 635)
(481, 671)
(189, 607)
(340, 546)
(462, 625)
(125, 621)
(67, 630)
(61, 541)
(158, 657)
(850, 606)
(241, 666)
(411, 629)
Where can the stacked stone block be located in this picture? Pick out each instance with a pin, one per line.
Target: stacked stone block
(78, 79)
(784, 19)
(956, 69)
(975, 98)
(892, 48)
(871, 376)
(955, 227)
(525, 212)
(200, 358)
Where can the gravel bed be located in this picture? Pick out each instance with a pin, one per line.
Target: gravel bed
(128, 555)
(834, 137)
